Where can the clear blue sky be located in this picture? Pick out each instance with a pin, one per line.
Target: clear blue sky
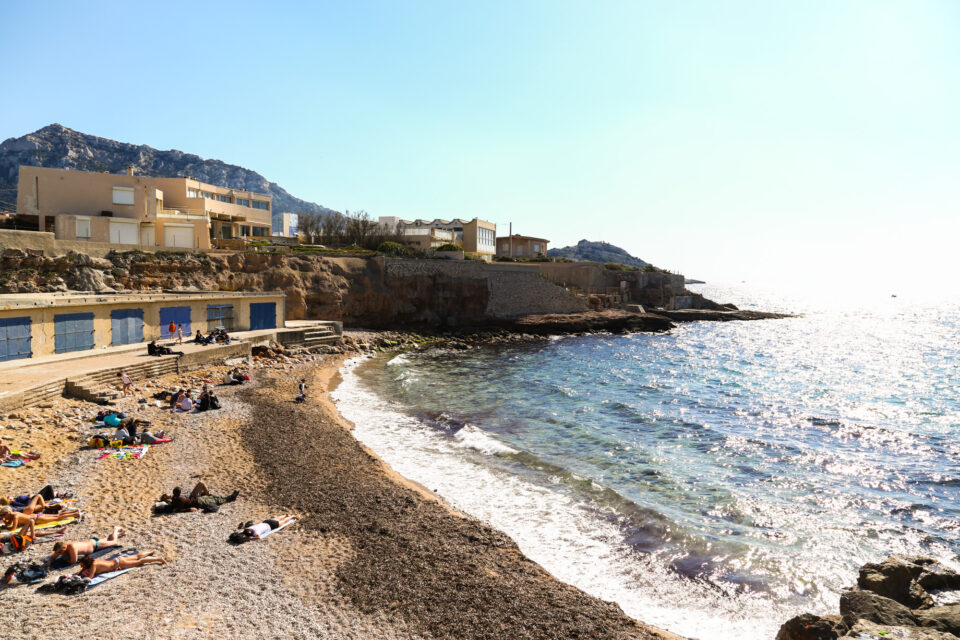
(731, 140)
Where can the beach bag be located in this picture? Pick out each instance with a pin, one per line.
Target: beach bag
(31, 573)
(99, 441)
(246, 376)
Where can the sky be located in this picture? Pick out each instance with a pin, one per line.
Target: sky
(802, 143)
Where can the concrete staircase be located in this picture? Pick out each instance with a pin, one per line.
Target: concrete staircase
(103, 386)
(319, 336)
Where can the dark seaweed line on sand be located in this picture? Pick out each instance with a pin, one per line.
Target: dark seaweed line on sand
(445, 576)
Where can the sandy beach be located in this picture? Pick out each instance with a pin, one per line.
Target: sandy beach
(373, 556)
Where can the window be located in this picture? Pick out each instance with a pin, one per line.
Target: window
(536, 247)
(192, 193)
(83, 228)
(243, 202)
(261, 231)
(259, 204)
(220, 316)
(244, 230)
(222, 198)
(207, 195)
(123, 195)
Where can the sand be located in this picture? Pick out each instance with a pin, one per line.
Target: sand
(373, 556)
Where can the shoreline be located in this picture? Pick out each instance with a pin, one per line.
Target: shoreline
(374, 555)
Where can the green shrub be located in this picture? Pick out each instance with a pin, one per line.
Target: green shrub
(446, 247)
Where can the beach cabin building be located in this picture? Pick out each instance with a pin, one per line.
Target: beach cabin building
(41, 324)
(517, 246)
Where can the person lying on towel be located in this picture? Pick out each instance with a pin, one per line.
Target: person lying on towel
(250, 531)
(69, 552)
(91, 567)
(11, 519)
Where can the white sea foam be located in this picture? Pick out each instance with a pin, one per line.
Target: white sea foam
(474, 438)
(551, 526)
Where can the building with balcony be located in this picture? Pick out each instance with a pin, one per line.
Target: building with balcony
(285, 224)
(144, 211)
(476, 237)
(517, 246)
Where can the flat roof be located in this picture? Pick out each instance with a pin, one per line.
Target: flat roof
(77, 298)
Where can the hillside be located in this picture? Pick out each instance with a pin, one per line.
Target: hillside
(597, 252)
(56, 146)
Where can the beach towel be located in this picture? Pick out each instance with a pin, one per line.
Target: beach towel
(14, 463)
(273, 531)
(55, 523)
(103, 577)
(125, 453)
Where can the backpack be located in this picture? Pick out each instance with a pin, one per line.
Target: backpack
(20, 542)
(99, 441)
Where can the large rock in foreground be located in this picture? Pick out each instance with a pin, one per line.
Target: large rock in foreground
(890, 601)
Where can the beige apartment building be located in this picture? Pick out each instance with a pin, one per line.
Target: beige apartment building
(476, 237)
(517, 246)
(140, 211)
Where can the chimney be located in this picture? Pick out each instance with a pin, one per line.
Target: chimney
(130, 170)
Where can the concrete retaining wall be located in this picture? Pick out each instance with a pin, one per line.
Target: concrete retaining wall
(51, 247)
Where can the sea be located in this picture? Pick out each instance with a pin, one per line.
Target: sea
(713, 481)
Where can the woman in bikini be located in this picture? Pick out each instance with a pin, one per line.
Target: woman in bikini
(11, 519)
(90, 567)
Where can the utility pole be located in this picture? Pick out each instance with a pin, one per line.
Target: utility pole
(511, 239)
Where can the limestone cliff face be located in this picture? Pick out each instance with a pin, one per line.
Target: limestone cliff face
(361, 292)
(59, 147)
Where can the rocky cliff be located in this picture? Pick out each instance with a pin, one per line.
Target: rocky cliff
(602, 252)
(58, 147)
(361, 292)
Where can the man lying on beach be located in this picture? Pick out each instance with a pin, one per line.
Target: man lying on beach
(14, 520)
(199, 498)
(71, 551)
(90, 567)
(250, 531)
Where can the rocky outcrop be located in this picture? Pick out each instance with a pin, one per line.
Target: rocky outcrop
(891, 599)
(58, 147)
(602, 252)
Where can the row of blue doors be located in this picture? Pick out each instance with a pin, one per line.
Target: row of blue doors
(74, 331)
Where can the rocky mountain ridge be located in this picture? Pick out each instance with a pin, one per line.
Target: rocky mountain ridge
(56, 146)
(597, 252)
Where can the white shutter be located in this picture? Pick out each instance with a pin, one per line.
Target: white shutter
(123, 195)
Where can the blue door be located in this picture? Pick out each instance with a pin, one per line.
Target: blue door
(176, 315)
(72, 332)
(126, 326)
(263, 315)
(14, 338)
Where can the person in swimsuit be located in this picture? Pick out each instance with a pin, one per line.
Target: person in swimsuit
(73, 550)
(13, 520)
(255, 531)
(33, 504)
(90, 567)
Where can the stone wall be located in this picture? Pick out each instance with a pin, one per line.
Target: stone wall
(511, 290)
(51, 247)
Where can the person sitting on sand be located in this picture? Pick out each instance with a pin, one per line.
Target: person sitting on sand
(72, 550)
(250, 531)
(199, 498)
(11, 519)
(90, 567)
(186, 403)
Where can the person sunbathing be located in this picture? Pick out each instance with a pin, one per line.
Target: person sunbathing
(72, 550)
(6, 453)
(14, 520)
(32, 505)
(252, 531)
(199, 498)
(91, 567)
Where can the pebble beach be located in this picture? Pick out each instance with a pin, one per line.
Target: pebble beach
(372, 555)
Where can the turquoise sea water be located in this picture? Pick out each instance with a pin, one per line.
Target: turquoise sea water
(713, 481)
